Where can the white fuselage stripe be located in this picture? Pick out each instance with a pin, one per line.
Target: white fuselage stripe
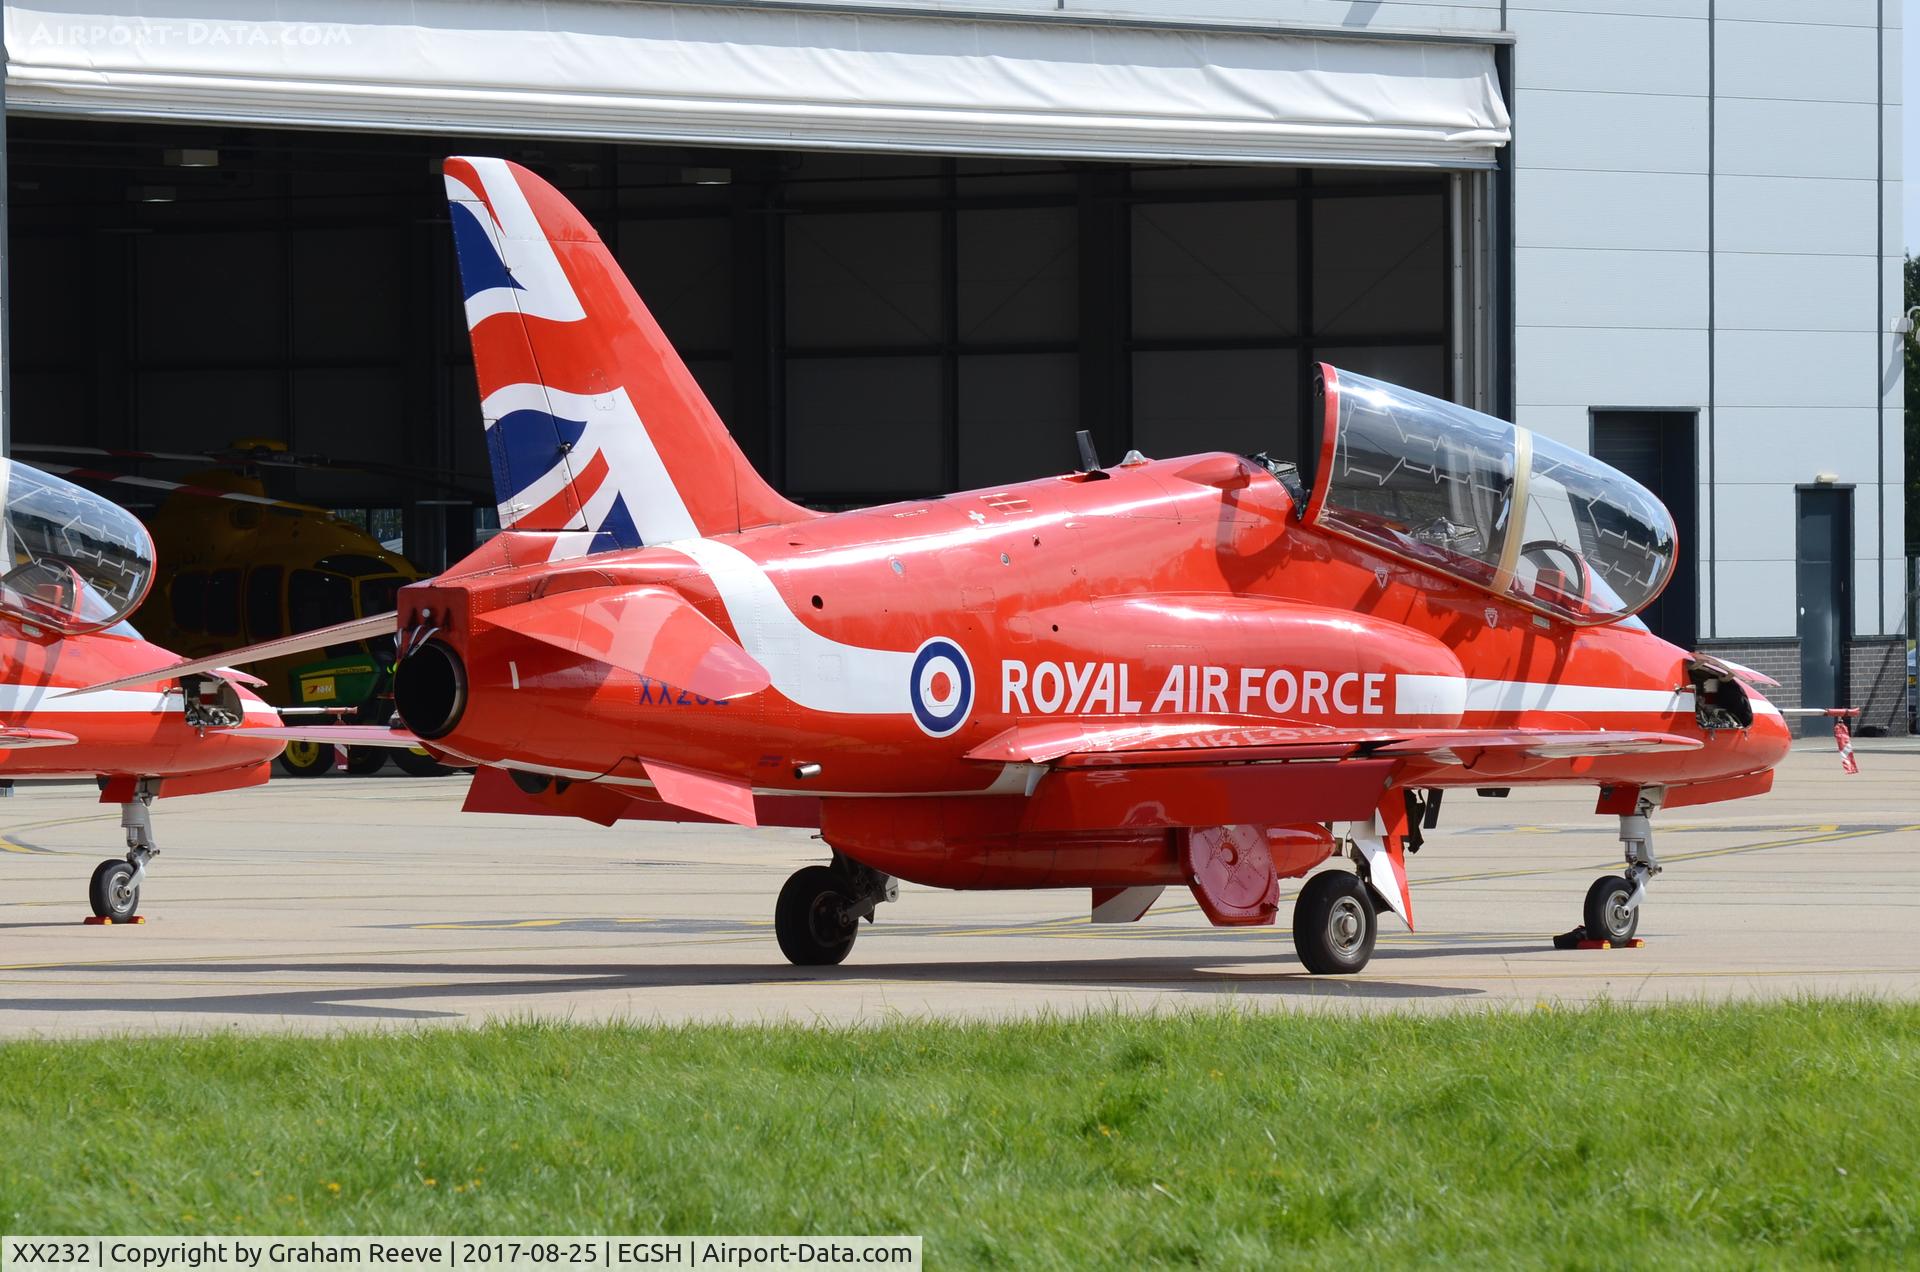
(1455, 695)
(45, 702)
(810, 670)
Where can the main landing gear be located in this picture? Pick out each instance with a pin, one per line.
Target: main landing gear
(1334, 923)
(1612, 909)
(818, 914)
(115, 888)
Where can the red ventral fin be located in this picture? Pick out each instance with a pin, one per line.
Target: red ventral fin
(648, 631)
(494, 791)
(724, 798)
(1124, 905)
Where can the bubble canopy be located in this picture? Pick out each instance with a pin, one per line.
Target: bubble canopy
(1482, 501)
(70, 561)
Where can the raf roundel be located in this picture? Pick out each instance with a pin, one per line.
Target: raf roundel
(940, 687)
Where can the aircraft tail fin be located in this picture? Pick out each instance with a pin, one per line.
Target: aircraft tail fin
(596, 430)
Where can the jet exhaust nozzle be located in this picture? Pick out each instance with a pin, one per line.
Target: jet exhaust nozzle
(430, 690)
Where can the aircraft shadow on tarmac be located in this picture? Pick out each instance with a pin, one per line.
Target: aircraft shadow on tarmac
(1260, 977)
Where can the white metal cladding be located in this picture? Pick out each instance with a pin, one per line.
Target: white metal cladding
(741, 76)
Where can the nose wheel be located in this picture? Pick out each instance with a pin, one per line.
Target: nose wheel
(114, 890)
(1334, 924)
(1606, 913)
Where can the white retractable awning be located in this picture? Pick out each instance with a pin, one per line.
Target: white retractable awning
(708, 74)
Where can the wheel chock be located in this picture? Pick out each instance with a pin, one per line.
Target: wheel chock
(101, 920)
(1577, 940)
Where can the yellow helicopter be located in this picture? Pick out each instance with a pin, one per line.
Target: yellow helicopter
(237, 566)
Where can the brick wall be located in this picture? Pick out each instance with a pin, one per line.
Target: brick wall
(1876, 676)
(1778, 657)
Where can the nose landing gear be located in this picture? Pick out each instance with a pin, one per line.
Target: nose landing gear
(1612, 909)
(114, 890)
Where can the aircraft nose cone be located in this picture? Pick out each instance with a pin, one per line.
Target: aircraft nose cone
(1770, 738)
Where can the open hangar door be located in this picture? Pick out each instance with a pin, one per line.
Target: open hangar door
(872, 325)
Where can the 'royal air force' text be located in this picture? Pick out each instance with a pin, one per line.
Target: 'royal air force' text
(1107, 688)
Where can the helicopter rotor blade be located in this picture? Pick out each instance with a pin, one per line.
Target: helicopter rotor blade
(95, 476)
(263, 457)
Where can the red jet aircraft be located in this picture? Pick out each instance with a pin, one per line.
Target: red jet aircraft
(72, 567)
(1208, 671)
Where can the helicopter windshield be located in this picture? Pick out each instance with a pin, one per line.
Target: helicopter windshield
(1482, 501)
(70, 561)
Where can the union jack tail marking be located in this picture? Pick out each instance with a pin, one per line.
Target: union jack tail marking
(597, 433)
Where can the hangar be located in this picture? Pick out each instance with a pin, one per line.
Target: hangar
(912, 248)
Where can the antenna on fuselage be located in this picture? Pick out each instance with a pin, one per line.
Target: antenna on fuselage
(1089, 459)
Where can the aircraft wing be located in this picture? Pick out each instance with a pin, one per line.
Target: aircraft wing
(333, 734)
(1172, 771)
(218, 664)
(17, 739)
(1135, 741)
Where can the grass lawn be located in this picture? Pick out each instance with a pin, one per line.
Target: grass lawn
(1729, 1136)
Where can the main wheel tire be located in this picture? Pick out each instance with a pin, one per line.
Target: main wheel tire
(419, 764)
(1334, 924)
(365, 760)
(1606, 915)
(307, 759)
(810, 918)
(108, 891)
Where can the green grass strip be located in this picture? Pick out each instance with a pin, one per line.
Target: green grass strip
(1736, 1136)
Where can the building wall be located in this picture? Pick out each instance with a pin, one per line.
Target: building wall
(1697, 226)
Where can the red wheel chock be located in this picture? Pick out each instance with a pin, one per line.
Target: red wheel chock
(101, 920)
(1577, 940)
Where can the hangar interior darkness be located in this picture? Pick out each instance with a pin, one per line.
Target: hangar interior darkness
(870, 326)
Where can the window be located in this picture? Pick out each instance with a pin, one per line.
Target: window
(317, 600)
(263, 603)
(377, 596)
(223, 603)
(187, 598)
